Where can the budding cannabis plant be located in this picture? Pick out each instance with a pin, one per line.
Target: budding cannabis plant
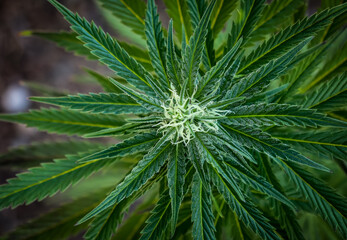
(226, 124)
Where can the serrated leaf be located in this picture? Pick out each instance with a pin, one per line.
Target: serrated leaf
(262, 142)
(329, 95)
(96, 103)
(175, 178)
(177, 10)
(286, 216)
(221, 14)
(196, 11)
(103, 81)
(242, 26)
(274, 17)
(193, 51)
(159, 219)
(288, 38)
(106, 49)
(280, 115)
(131, 13)
(147, 102)
(202, 215)
(43, 151)
(47, 180)
(211, 80)
(245, 210)
(60, 222)
(138, 143)
(64, 121)
(329, 144)
(261, 78)
(145, 169)
(172, 65)
(331, 206)
(156, 43)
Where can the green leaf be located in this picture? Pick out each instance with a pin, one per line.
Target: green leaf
(105, 224)
(329, 144)
(210, 81)
(248, 15)
(193, 51)
(106, 49)
(263, 114)
(156, 43)
(172, 65)
(59, 223)
(212, 155)
(138, 143)
(43, 151)
(131, 13)
(285, 216)
(178, 11)
(289, 38)
(96, 103)
(221, 15)
(145, 169)
(274, 17)
(262, 142)
(103, 81)
(255, 181)
(47, 180)
(147, 102)
(335, 63)
(175, 178)
(202, 215)
(331, 206)
(196, 12)
(329, 95)
(245, 210)
(64, 121)
(64, 39)
(159, 219)
(261, 78)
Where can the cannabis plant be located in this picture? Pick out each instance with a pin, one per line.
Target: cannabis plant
(228, 123)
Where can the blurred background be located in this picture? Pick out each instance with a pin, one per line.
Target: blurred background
(25, 61)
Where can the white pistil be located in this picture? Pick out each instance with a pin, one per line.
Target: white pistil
(177, 115)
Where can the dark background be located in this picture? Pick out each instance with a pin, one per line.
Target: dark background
(30, 59)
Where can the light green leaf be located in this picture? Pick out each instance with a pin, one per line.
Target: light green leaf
(131, 13)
